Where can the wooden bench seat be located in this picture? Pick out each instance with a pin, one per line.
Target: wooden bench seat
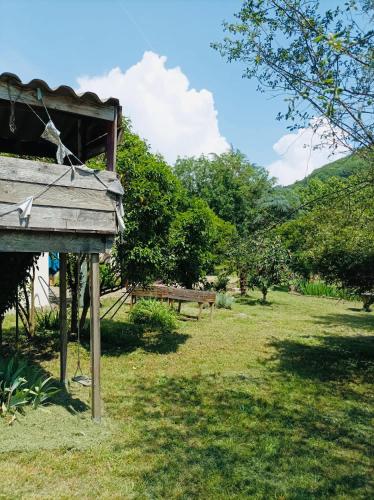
(180, 295)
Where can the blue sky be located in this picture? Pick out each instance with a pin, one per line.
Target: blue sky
(60, 41)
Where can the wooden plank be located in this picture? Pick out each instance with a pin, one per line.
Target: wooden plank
(61, 103)
(24, 241)
(17, 169)
(111, 145)
(177, 294)
(61, 219)
(63, 321)
(14, 192)
(95, 336)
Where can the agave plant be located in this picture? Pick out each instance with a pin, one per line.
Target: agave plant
(21, 385)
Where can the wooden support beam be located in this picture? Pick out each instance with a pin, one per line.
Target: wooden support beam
(63, 321)
(211, 305)
(200, 311)
(95, 337)
(32, 241)
(111, 145)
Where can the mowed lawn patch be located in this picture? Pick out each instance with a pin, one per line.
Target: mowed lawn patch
(264, 402)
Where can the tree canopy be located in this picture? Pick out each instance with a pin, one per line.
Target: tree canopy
(321, 62)
(231, 185)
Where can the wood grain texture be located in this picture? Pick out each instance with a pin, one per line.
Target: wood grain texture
(61, 219)
(63, 322)
(14, 192)
(24, 241)
(17, 169)
(95, 336)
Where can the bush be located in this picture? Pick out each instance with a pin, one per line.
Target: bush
(321, 289)
(47, 321)
(153, 316)
(224, 301)
(21, 385)
(221, 282)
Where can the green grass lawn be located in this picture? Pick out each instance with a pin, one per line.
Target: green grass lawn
(262, 402)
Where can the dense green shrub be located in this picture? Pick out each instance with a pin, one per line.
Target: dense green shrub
(224, 301)
(320, 289)
(221, 282)
(153, 316)
(21, 385)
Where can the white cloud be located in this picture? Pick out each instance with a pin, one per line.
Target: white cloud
(176, 120)
(299, 156)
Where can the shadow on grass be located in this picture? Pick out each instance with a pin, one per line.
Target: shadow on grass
(118, 337)
(362, 321)
(250, 301)
(340, 358)
(214, 437)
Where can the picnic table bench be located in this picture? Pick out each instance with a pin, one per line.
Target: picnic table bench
(171, 294)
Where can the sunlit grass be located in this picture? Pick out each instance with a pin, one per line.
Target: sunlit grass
(262, 402)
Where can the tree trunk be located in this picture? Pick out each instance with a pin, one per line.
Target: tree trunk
(368, 300)
(242, 282)
(264, 292)
(86, 306)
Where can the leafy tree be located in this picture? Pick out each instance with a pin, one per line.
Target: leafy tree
(238, 192)
(322, 62)
(16, 270)
(229, 183)
(335, 237)
(267, 264)
(195, 235)
(152, 195)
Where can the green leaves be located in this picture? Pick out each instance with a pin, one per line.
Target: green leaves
(295, 49)
(22, 385)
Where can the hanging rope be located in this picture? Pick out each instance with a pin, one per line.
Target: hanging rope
(52, 134)
(12, 116)
(79, 377)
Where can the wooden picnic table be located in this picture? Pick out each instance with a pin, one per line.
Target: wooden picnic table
(171, 294)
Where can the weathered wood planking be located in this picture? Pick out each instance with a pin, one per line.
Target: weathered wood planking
(78, 203)
(56, 196)
(174, 293)
(62, 103)
(61, 219)
(17, 169)
(27, 241)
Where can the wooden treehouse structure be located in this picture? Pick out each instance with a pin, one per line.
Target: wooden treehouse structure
(62, 207)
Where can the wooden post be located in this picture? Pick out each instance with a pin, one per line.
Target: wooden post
(211, 305)
(111, 144)
(63, 321)
(200, 310)
(179, 306)
(95, 337)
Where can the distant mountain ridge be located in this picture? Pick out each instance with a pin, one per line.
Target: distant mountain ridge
(338, 168)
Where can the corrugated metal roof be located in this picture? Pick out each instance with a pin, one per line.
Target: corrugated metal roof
(62, 90)
(85, 115)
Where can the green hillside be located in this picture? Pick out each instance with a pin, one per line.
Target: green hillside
(339, 168)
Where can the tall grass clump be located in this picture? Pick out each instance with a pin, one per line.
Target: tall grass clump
(322, 289)
(47, 321)
(153, 315)
(224, 301)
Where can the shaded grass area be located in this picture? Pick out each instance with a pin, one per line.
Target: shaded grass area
(262, 402)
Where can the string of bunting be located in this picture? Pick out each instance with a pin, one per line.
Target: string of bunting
(52, 134)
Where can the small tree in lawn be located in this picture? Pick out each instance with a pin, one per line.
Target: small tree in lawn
(268, 265)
